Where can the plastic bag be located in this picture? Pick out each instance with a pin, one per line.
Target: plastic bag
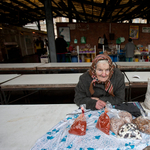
(116, 124)
(143, 124)
(126, 116)
(103, 122)
(119, 119)
(129, 131)
(79, 125)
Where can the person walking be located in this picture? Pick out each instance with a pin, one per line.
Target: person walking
(61, 48)
(129, 50)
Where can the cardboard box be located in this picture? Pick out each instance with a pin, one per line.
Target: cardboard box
(44, 59)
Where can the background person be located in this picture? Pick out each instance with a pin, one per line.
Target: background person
(39, 45)
(129, 50)
(61, 48)
(101, 83)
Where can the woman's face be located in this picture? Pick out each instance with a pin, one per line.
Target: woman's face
(102, 71)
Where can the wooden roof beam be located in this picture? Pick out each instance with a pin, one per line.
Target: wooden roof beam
(89, 3)
(12, 19)
(70, 11)
(108, 10)
(25, 6)
(113, 5)
(145, 12)
(35, 6)
(58, 7)
(102, 9)
(135, 11)
(84, 11)
(75, 11)
(14, 10)
(92, 9)
(124, 13)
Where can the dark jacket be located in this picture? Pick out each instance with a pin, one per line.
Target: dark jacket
(61, 45)
(83, 95)
(129, 49)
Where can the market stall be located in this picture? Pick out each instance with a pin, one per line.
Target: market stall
(22, 125)
(71, 67)
(137, 80)
(134, 66)
(19, 67)
(35, 82)
(4, 78)
(37, 127)
(62, 136)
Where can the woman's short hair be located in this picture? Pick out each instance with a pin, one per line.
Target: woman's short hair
(101, 61)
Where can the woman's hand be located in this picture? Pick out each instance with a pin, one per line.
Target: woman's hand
(100, 104)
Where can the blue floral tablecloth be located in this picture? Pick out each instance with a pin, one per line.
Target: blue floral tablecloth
(58, 137)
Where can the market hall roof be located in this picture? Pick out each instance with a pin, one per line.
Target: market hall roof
(21, 12)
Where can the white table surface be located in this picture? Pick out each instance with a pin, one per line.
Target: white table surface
(64, 66)
(6, 77)
(133, 65)
(22, 125)
(125, 80)
(143, 76)
(82, 65)
(43, 80)
(19, 66)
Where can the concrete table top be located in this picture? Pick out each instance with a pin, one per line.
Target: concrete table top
(22, 125)
(133, 65)
(19, 66)
(48, 66)
(7, 77)
(42, 81)
(135, 81)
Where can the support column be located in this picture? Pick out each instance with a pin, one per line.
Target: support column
(38, 25)
(148, 20)
(50, 30)
(130, 21)
(70, 12)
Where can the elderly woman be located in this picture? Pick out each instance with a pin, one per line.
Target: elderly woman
(101, 83)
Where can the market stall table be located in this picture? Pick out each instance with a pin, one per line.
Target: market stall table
(43, 82)
(133, 66)
(7, 77)
(4, 78)
(22, 125)
(50, 67)
(40, 82)
(137, 80)
(59, 137)
(19, 67)
(48, 81)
